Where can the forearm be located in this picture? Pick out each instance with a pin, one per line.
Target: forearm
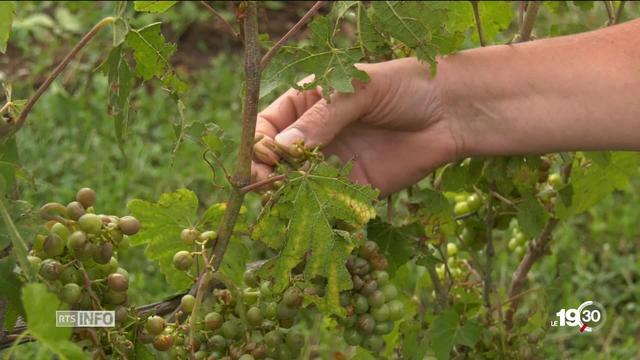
(578, 92)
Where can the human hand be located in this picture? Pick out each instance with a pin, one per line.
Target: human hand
(393, 128)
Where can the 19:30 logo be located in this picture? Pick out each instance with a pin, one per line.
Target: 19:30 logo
(588, 317)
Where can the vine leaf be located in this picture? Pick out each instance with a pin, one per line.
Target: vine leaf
(121, 81)
(532, 217)
(10, 289)
(163, 221)
(7, 12)
(394, 242)
(446, 332)
(495, 16)
(333, 67)
(590, 184)
(300, 226)
(151, 53)
(153, 6)
(40, 306)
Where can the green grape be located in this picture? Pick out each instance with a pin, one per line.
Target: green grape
(374, 343)
(382, 277)
(273, 338)
(208, 236)
(71, 293)
(51, 269)
(129, 225)
(163, 342)
(201, 355)
(269, 309)
(60, 230)
(369, 287)
(121, 314)
(53, 245)
(285, 312)
(369, 250)
(182, 260)
(154, 325)
(75, 210)
(292, 297)
(383, 328)
(382, 313)
(358, 283)
(361, 266)
(77, 240)
(379, 263)
(555, 180)
(265, 289)
(474, 201)
(396, 310)
(187, 303)
(365, 324)
(254, 316)
(231, 329)
(249, 296)
(35, 262)
(115, 297)
(513, 243)
(519, 250)
(251, 278)
(102, 253)
(461, 208)
(452, 249)
(213, 320)
(345, 298)
(294, 339)
(90, 223)
(360, 304)
(376, 299)
(70, 275)
(216, 342)
(86, 197)
(117, 282)
(189, 236)
(353, 337)
(390, 292)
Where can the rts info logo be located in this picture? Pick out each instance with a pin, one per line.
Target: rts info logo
(588, 317)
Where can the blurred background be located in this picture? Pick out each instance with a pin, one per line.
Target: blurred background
(69, 143)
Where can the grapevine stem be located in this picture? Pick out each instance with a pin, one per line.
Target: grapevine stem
(303, 20)
(529, 19)
(19, 245)
(227, 26)
(476, 15)
(610, 13)
(54, 74)
(261, 183)
(619, 12)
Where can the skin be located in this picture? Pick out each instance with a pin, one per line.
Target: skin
(570, 93)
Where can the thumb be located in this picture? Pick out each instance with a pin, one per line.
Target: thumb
(320, 123)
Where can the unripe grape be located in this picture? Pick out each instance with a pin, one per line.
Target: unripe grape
(360, 304)
(154, 325)
(369, 250)
(260, 352)
(461, 208)
(294, 340)
(269, 309)
(379, 263)
(70, 275)
(231, 329)
(520, 238)
(366, 324)
(71, 293)
(361, 266)
(345, 298)
(102, 253)
(129, 225)
(452, 249)
(121, 314)
(369, 287)
(213, 321)
(519, 250)
(115, 297)
(251, 278)
(265, 289)
(86, 197)
(60, 230)
(273, 338)
(208, 236)
(35, 262)
(513, 243)
(189, 236)
(90, 223)
(353, 337)
(144, 337)
(383, 328)
(382, 277)
(53, 246)
(216, 342)
(163, 342)
(75, 210)
(293, 297)
(77, 240)
(254, 316)
(474, 201)
(285, 312)
(555, 180)
(117, 282)
(182, 260)
(396, 310)
(187, 303)
(376, 299)
(51, 269)
(374, 343)
(358, 283)
(381, 313)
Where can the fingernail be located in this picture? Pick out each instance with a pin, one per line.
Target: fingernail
(289, 137)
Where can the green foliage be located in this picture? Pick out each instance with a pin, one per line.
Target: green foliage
(40, 307)
(300, 226)
(446, 332)
(395, 242)
(7, 12)
(153, 6)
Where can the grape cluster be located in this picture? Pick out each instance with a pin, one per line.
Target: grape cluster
(518, 242)
(372, 305)
(252, 323)
(75, 257)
